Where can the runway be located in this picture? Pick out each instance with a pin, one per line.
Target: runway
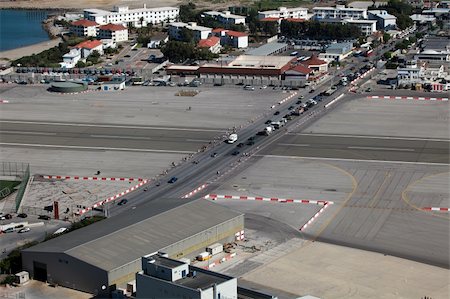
(362, 148)
(78, 136)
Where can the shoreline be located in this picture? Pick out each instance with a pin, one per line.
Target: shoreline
(13, 54)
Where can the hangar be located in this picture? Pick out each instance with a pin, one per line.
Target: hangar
(105, 255)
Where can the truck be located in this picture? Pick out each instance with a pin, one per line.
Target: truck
(268, 130)
(232, 138)
(277, 124)
(203, 256)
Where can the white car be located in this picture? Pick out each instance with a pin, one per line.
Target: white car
(24, 230)
(60, 230)
(313, 102)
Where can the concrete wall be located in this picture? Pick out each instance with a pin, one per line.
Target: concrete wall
(67, 271)
(227, 289)
(153, 288)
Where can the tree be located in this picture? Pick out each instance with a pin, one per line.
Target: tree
(80, 64)
(94, 57)
(270, 28)
(386, 37)
(188, 12)
(177, 51)
(387, 55)
(186, 35)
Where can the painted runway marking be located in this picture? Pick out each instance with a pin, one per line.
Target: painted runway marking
(382, 148)
(28, 133)
(293, 144)
(197, 140)
(98, 148)
(110, 126)
(121, 137)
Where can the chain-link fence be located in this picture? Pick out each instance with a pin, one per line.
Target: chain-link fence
(22, 187)
(14, 169)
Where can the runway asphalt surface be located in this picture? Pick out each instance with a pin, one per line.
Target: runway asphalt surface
(362, 148)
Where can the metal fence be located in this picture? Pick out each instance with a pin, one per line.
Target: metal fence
(22, 187)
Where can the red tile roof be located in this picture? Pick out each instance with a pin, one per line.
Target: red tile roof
(270, 19)
(313, 60)
(112, 27)
(217, 30)
(295, 20)
(301, 69)
(89, 44)
(236, 33)
(209, 42)
(84, 23)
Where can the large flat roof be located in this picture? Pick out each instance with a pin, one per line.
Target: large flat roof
(266, 49)
(151, 227)
(255, 61)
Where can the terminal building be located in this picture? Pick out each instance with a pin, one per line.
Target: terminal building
(106, 255)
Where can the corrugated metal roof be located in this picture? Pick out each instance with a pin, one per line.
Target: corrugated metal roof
(266, 49)
(124, 238)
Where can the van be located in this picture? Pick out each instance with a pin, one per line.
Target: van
(9, 230)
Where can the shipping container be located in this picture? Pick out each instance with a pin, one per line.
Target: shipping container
(215, 248)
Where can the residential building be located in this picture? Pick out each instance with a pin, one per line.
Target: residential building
(337, 51)
(84, 28)
(167, 278)
(108, 43)
(89, 46)
(283, 13)
(339, 12)
(117, 33)
(199, 32)
(134, 17)
(384, 20)
(234, 39)
(70, 59)
(157, 39)
(211, 43)
(367, 27)
(225, 17)
(106, 255)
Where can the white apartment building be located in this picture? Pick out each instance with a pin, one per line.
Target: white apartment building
(70, 59)
(339, 12)
(225, 17)
(232, 38)
(367, 27)
(199, 32)
(114, 32)
(84, 28)
(384, 20)
(285, 13)
(135, 17)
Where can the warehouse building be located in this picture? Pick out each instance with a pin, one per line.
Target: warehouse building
(104, 256)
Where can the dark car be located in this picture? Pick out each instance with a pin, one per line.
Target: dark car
(127, 56)
(235, 153)
(22, 215)
(251, 142)
(251, 138)
(44, 217)
(173, 180)
(122, 202)
(214, 155)
(240, 145)
(299, 102)
(276, 113)
(268, 122)
(8, 216)
(311, 91)
(291, 108)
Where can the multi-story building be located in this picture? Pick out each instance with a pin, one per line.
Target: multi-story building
(114, 32)
(134, 17)
(339, 12)
(225, 17)
(199, 32)
(337, 51)
(84, 28)
(70, 59)
(284, 13)
(384, 20)
(367, 27)
(232, 38)
(87, 47)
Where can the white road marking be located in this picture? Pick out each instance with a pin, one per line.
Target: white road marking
(197, 140)
(98, 148)
(121, 137)
(351, 160)
(28, 133)
(369, 137)
(382, 148)
(108, 126)
(294, 144)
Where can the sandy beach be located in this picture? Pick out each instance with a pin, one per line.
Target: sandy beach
(28, 50)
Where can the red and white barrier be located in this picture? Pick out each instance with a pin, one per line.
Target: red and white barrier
(222, 260)
(100, 203)
(86, 178)
(4, 101)
(287, 98)
(240, 236)
(271, 199)
(436, 209)
(195, 191)
(315, 216)
(406, 98)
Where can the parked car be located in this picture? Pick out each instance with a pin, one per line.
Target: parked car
(173, 180)
(276, 113)
(268, 122)
(123, 202)
(213, 155)
(235, 153)
(44, 217)
(22, 215)
(24, 230)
